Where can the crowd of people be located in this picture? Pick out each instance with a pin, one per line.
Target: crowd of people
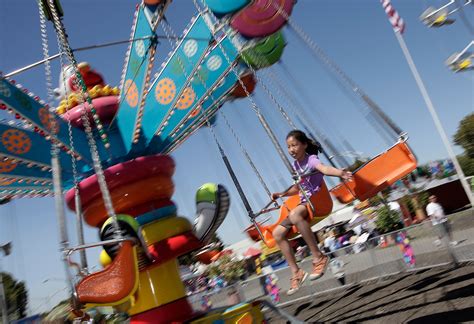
(351, 236)
(204, 283)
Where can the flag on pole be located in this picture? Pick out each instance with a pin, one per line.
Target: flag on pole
(397, 22)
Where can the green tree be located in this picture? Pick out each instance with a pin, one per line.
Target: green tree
(464, 137)
(467, 164)
(387, 220)
(16, 296)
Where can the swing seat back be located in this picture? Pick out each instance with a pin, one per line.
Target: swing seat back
(115, 284)
(377, 174)
(322, 203)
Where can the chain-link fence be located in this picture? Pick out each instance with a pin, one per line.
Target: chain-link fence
(412, 248)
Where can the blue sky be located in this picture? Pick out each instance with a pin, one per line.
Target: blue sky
(356, 34)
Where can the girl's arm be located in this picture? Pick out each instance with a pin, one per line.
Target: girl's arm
(290, 192)
(331, 171)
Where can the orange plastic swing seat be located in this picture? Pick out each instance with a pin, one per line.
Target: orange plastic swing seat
(376, 175)
(321, 201)
(115, 284)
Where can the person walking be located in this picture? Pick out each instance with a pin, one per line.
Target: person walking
(439, 220)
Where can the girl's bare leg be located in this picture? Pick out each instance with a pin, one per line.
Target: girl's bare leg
(279, 234)
(297, 217)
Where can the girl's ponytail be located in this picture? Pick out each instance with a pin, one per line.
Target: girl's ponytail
(313, 147)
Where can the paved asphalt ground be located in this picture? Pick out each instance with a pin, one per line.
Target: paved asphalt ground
(438, 295)
(376, 263)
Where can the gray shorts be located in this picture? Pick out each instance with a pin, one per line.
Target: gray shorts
(286, 223)
(444, 229)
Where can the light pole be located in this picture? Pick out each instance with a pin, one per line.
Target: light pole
(6, 249)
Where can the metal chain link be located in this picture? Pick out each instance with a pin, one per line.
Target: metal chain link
(352, 85)
(263, 60)
(295, 175)
(75, 175)
(49, 86)
(264, 124)
(64, 47)
(211, 129)
(320, 113)
(56, 168)
(254, 106)
(244, 151)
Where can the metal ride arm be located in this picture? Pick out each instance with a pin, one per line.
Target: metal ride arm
(429, 17)
(458, 62)
(171, 83)
(70, 251)
(136, 73)
(266, 208)
(35, 113)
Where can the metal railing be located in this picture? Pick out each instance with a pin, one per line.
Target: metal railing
(373, 259)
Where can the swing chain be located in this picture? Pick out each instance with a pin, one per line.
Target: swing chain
(199, 76)
(55, 165)
(264, 123)
(64, 46)
(168, 30)
(77, 199)
(262, 119)
(253, 104)
(353, 86)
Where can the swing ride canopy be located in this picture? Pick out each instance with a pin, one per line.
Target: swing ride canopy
(154, 114)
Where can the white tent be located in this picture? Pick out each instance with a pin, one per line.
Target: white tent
(341, 215)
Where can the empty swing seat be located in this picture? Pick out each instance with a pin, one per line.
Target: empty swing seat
(377, 174)
(321, 201)
(115, 284)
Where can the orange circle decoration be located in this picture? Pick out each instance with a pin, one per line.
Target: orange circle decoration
(6, 181)
(16, 141)
(186, 99)
(7, 166)
(165, 91)
(48, 121)
(131, 93)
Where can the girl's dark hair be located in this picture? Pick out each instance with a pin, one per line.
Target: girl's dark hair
(312, 148)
